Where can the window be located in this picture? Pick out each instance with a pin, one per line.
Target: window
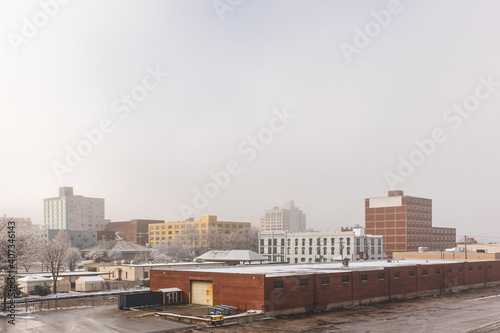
(364, 277)
(460, 269)
(448, 270)
(424, 272)
(381, 276)
(345, 279)
(480, 268)
(278, 284)
(325, 281)
(302, 259)
(396, 275)
(489, 267)
(470, 268)
(303, 283)
(438, 271)
(411, 273)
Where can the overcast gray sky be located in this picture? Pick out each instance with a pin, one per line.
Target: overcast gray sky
(320, 102)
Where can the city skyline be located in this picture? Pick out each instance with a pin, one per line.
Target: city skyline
(201, 110)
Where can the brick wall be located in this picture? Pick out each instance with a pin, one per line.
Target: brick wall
(245, 291)
(323, 290)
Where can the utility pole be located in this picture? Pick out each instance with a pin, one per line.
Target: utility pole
(465, 242)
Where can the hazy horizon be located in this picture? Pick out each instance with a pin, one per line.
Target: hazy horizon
(322, 102)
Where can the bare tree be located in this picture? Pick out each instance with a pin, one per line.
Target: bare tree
(73, 258)
(54, 255)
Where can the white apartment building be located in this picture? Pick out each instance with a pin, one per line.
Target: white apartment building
(74, 212)
(283, 246)
(284, 218)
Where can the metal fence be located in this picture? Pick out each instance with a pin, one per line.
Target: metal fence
(39, 304)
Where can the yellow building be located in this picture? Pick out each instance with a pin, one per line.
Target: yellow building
(163, 232)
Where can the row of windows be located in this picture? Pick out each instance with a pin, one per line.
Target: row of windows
(381, 276)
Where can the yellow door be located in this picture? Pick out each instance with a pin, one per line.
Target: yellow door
(202, 293)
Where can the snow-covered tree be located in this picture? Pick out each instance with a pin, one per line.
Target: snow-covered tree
(73, 258)
(160, 253)
(191, 236)
(16, 249)
(175, 249)
(27, 249)
(54, 255)
(95, 255)
(216, 239)
(115, 254)
(142, 256)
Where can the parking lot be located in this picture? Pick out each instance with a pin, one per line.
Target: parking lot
(473, 311)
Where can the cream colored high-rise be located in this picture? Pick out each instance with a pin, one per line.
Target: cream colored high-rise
(284, 218)
(73, 212)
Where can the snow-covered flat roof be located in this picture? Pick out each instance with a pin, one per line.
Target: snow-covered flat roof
(91, 279)
(32, 278)
(314, 268)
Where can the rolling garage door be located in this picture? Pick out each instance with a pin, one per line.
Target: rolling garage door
(201, 293)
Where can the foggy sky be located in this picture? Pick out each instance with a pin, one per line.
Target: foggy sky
(231, 70)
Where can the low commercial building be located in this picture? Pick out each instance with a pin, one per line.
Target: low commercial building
(352, 243)
(134, 272)
(90, 283)
(27, 283)
(119, 247)
(287, 289)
